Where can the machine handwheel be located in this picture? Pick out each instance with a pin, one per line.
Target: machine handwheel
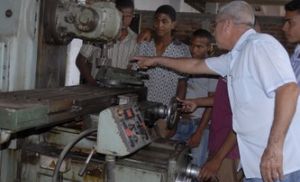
(172, 114)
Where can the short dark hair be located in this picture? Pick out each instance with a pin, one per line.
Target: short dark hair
(121, 4)
(168, 10)
(293, 5)
(203, 34)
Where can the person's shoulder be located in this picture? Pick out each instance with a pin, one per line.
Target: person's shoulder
(132, 34)
(178, 42)
(256, 40)
(266, 42)
(262, 37)
(147, 43)
(181, 48)
(146, 48)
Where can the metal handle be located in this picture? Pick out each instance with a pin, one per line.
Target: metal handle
(87, 161)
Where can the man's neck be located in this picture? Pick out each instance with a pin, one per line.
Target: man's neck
(161, 44)
(166, 40)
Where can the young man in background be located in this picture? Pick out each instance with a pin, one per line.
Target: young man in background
(92, 56)
(198, 86)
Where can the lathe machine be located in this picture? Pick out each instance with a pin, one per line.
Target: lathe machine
(28, 117)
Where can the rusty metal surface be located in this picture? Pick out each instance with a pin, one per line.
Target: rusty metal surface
(161, 161)
(158, 153)
(66, 103)
(152, 160)
(33, 170)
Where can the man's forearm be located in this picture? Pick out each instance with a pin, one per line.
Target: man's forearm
(203, 123)
(185, 65)
(285, 107)
(84, 69)
(271, 164)
(227, 146)
(205, 101)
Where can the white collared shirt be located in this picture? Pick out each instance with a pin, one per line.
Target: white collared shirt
(255, 68)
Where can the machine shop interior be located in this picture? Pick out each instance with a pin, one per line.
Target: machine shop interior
(44, 109)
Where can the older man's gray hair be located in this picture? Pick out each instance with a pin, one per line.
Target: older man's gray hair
(239, 11)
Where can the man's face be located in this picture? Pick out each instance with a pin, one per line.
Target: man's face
(127, 15)
(163, 25)
(199, 47)
(291, 27)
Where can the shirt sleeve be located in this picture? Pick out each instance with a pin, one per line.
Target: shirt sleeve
(187, 52)
(138, 52)
(219, 64)
(212, 84)
(270, 65)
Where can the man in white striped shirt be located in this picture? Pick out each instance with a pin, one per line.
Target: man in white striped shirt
(91, 56)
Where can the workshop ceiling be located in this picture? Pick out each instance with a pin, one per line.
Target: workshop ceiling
(197, 4)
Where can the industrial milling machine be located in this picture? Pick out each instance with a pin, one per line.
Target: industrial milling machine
(77, 133)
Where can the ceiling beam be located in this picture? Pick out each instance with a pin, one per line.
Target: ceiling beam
(197, 4)
(261, 2)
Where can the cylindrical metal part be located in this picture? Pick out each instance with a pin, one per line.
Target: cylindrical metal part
(192, 171)
(110, 168)
(99, 22)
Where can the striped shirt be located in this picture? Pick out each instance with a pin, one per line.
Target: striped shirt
(119, 53)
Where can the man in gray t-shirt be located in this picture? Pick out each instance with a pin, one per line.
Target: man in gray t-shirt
(197, 86)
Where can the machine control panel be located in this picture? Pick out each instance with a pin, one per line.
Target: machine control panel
(121, 130)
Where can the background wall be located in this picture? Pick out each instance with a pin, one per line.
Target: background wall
(179, 5)
(189, 22)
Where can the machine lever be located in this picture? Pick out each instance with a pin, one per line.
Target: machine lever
(82, 171)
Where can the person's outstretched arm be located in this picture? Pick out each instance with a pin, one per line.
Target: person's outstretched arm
(184, 65)
(190, 105)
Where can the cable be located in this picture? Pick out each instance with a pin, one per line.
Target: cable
(67, 149)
